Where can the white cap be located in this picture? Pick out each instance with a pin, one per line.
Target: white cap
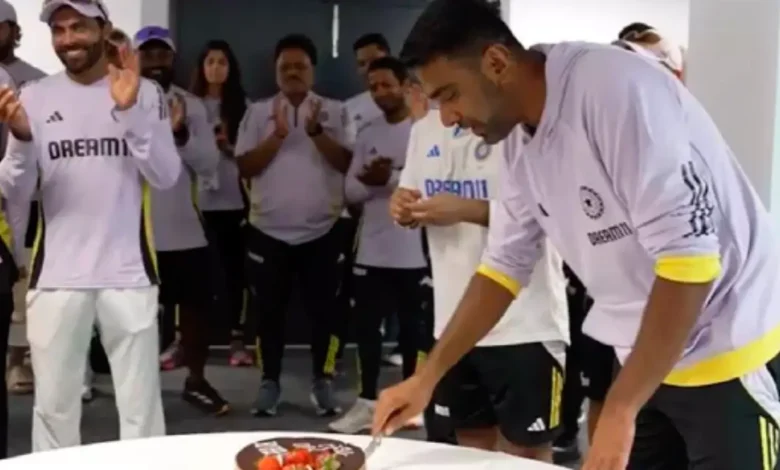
(89, 8)
(668, 53)
(7, 12)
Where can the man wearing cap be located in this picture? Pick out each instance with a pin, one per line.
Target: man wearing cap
(20, 378)
(182, 250)
(291, 146)
(93, 263)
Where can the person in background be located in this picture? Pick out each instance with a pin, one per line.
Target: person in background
(223, 199)
(20, 377)
(9, 269)
(647, 41)
(91, 192)
(293, 148)
(360, 109)
(183, 255)
(619, 165)
(389, 264)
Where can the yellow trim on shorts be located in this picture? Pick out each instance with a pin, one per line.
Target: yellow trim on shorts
(499, 278)
(770, 443)
(556, 397)
(689, 269)
(330, 357)
(729, 365)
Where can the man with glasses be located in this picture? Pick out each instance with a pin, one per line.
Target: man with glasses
(183, 256)
(93, 262)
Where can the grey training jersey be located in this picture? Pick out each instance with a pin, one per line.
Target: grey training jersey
(299, 196)
(629, 177)
(176, 221)
(382, 243)
(94, 162)
(223, 192)
(23, 72)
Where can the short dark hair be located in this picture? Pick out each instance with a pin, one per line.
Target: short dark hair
(297, 41)
(634, 28)
(454, 27)
(372, 39)
(392, 64)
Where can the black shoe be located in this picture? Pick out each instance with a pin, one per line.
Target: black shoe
(200, 394)
(566, 450)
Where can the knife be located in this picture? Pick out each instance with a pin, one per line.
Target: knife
(373, 445)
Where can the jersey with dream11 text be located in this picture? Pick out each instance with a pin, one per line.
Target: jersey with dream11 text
(176, 220)
(631, 179)
(381, 242)
(92, 159)
(299, 196)
(453, 160)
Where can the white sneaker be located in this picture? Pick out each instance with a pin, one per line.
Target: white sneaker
(417, 422)
(357, 419)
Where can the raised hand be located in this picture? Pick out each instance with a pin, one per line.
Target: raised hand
(281, 126)
(313, 118)
(178, 112)
(13, 114)
(125, 79)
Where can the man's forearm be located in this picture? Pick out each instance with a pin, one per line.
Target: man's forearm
(337, 156)
(669, 317)
(481, 307)
(475, 211)
(257, 160)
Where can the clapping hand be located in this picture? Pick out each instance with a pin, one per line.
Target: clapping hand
(178, 112)
(441, 209)
(313, 118)
(125, 79)
(281, 127)
(377, 172)
(13, 114)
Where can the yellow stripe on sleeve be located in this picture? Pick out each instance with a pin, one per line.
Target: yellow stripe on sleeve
(689, 269)
(499, 278)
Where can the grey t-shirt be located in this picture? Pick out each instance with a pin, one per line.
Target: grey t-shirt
(382, 243)
(299, 196)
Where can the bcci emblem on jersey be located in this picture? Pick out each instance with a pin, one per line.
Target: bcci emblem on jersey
(591, 202)
(482, 151)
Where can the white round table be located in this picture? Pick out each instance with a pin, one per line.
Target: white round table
(218, 451)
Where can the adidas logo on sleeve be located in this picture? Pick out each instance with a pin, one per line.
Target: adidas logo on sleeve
(434, 152)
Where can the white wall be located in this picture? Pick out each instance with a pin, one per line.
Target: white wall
(129, 15)
(540, 21)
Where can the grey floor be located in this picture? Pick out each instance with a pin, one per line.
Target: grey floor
(237, 385)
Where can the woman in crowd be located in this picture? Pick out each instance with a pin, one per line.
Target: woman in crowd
(222, 199)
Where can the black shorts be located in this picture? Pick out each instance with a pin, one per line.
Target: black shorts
(185, 277)
(515, 387)
(727, 426)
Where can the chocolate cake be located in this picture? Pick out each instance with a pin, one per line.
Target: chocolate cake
(283, 449)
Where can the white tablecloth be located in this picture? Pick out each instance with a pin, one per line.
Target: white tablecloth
(218, 451)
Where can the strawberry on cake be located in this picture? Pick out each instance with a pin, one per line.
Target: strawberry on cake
(300, 453)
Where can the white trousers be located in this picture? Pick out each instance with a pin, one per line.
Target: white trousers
(59, 328)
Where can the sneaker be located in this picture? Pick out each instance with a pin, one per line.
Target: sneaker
(323, 399)
(267, 399)
(172, 358)
(417, 422)
(200, 394)
(87, 394)
(394, 359)
(359, 418)
(239, 357)
(566, 450)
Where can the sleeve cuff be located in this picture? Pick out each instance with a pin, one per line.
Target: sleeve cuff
(499, 278)
(129, 118)
(689, 269)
